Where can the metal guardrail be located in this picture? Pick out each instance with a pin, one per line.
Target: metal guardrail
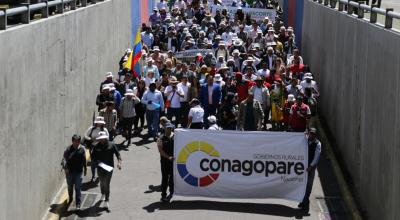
(360, 7)
(26, 9)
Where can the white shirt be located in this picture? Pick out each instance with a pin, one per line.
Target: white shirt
(185, 89)
(317, 153)
(290, 60)
(197, 114)
(263, 73)
(304, 84)
(258, 94)
(92, 135)
(148, 80)
(214, 127)
(174, 98)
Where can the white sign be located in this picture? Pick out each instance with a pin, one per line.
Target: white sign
(236, 164)
(190, 55)
(257, 14)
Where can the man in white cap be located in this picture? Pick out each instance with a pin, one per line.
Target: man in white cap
(308, 82)
(103, 156)
(127, 113)
(109, 79)
(104, 96)
(212, 122)
(90, 141)
(151, 67)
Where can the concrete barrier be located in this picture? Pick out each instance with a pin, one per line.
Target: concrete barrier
(357, 66)
(50, 72)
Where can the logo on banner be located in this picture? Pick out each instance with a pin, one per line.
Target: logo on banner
(196, 146)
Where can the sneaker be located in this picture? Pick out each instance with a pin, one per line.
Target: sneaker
(164, 199)
(169, 197)
(78, 207)
(107, 205)
(103, 198)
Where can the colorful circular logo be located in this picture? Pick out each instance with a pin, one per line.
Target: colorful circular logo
(184, 155)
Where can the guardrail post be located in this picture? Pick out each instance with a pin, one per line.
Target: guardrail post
(3, 20)
(326, 2)
(388, 19)
(360, 11)
(45, 10)
(26, 17)
(341, 6)
(83, 3)
(73, 4)
(349, 8)
(333, 3)
(60, 7)
(373, 18)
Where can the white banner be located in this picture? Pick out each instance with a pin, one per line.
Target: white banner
(233, 164)
(257, 14)
(190, 55)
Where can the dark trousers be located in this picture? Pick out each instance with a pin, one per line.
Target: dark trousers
(74, 180)
(167, 177)
(185, 108)
(310, 181)
(196, 125)
(171, 112)
(105, 180)
(140, 110)
(127, 124)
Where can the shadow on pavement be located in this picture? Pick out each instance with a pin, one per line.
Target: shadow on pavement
(90, 185)
(153, 188)
(59, 208)
(93, 211)
(253, 208)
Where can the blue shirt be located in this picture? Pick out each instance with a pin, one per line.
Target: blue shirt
(154, 97)
(147, 39)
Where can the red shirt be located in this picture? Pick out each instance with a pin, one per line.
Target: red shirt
(296, 70)
(297, 121)
(243, 90)
(286, 111)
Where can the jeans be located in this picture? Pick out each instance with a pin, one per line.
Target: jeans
(105, 180)
(153, 120)
(310, 181)
(171, 112)
(74, 179)
(167, 177)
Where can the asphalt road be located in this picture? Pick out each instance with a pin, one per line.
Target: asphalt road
(135, 195)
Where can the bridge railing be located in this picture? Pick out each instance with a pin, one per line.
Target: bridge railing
(360, 7)
(26, 10)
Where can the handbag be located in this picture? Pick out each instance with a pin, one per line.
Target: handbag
(168, 101)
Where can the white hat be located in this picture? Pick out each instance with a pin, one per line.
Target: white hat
(129, 92)
(99, 120)
(102, 135)
(236, 51)
(238, 42)
(291, 98)
(149, 59)
(112, 86)
(109, 74)
(218, 78)
(128, 50)
(105, 87)
(221, 43)
(212, 119)
(308, 76)
(156, 48)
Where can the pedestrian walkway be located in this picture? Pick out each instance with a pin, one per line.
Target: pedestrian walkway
(135, 195)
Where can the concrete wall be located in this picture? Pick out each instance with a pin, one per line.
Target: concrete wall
(357, 66)
(50, 72)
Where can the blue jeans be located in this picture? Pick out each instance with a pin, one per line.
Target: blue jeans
(74, 179)
(153, 120)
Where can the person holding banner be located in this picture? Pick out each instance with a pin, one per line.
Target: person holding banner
(314, 153)
(166, 149)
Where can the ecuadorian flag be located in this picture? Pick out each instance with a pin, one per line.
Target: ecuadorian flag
(133, 62)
